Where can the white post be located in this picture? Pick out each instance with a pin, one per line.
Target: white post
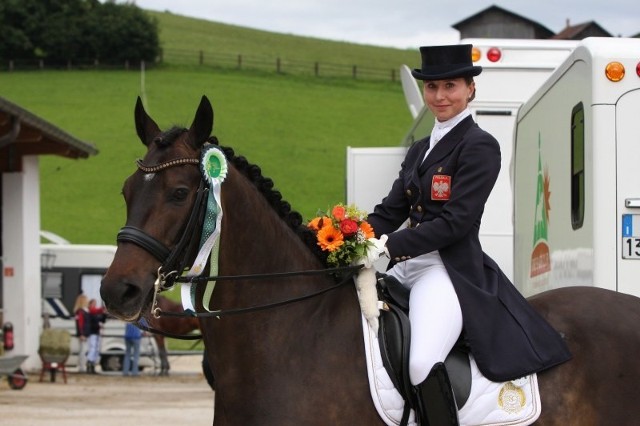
(22, 292)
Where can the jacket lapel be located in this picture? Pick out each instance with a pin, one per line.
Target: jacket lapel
(446, 144)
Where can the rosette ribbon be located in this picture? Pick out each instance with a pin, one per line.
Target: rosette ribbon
(214, 170)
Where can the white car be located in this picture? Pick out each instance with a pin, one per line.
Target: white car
(111, 342)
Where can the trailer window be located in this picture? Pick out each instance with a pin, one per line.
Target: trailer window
(51, 285)
(577, 166)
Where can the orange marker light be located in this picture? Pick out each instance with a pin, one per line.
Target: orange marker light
(614, 71)
(475, 54)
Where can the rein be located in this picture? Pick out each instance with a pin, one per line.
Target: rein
(157, 312)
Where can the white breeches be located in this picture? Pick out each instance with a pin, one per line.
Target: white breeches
(434, 312)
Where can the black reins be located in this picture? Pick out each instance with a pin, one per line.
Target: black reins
(351, 270)
(175, 259)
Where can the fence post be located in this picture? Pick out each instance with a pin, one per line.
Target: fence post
(41, 64)
(239, 61)
(126, 65)
(316, 69)
(355, 72)
(201, 57)
(278, 65)
(11, 65)
(68, 64)
(393, 75)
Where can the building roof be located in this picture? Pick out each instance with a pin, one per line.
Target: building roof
(580, 31)
(492, 9)
(24, 133)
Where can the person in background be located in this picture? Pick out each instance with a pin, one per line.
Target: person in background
(81, 312)
(97, 317)
(132, 337)
(456, 290)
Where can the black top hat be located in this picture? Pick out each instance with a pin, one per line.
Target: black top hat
(440, 62)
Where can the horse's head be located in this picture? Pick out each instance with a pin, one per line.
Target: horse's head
(160, 197)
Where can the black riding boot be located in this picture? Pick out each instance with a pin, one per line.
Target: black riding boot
(436, 403)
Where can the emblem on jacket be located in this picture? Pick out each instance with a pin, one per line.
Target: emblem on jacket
(440, 187)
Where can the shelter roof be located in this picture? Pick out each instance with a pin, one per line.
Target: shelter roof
(23, 133)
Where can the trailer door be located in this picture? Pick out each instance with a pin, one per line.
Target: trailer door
(628, 194)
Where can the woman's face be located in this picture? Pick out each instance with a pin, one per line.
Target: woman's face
(447, 98)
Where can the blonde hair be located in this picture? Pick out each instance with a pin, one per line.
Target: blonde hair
(82, 302)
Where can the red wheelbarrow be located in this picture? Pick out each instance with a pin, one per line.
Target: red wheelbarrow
(10, 366)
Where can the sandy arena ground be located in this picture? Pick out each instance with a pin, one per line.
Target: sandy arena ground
(182, 398)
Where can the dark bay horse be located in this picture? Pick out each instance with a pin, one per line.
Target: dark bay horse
(178, 326)
(303, 362)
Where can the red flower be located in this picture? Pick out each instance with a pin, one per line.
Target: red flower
(349, 227)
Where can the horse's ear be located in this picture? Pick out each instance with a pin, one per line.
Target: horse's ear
(202, 125)
(145, 126)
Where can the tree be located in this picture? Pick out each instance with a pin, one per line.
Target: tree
(59, 31)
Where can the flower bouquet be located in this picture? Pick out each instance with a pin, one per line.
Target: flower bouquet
(345, 234)
(349, 239)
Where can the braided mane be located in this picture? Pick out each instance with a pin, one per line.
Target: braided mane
(265, 186)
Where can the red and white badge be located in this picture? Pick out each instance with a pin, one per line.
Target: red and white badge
(440, 187)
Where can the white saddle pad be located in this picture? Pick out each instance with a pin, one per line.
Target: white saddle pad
(513, 403)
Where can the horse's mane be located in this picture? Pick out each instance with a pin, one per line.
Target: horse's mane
(265, 186)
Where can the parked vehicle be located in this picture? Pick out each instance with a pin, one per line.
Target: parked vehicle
(577, 199)
(66, 270)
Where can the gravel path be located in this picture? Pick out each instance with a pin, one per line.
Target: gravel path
(110, 399)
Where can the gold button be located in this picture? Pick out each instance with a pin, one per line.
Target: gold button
(408, 193)
(397, 259)
(419, 208)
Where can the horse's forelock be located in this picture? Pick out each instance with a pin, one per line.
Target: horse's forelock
(167, 138)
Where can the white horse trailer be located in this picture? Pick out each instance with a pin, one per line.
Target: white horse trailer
(68, 269)
(576, 159)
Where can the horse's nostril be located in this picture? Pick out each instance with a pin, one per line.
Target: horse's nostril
(122, 298)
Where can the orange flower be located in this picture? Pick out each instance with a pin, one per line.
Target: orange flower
(339, 212)
(319, 222)
(367, 229)
(330, 238)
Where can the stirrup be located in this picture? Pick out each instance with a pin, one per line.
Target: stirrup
(436, 402)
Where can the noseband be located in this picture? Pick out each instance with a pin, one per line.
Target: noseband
(173, 260)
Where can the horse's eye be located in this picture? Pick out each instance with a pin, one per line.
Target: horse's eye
(180, 194)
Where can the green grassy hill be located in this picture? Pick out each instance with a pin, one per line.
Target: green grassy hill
(181, 37)
(296, 128)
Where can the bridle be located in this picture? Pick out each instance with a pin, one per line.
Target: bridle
(175, 259)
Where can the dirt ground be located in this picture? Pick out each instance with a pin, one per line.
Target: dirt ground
(184, 397)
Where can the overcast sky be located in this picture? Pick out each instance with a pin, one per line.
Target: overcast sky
(397, 23)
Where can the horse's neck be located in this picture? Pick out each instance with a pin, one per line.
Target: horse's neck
(255, 239)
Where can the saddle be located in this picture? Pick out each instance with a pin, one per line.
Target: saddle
(394, 335)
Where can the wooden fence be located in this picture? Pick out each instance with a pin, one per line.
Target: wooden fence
(225, 61)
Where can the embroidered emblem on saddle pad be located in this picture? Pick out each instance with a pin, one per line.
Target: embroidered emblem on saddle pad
(513, 403)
